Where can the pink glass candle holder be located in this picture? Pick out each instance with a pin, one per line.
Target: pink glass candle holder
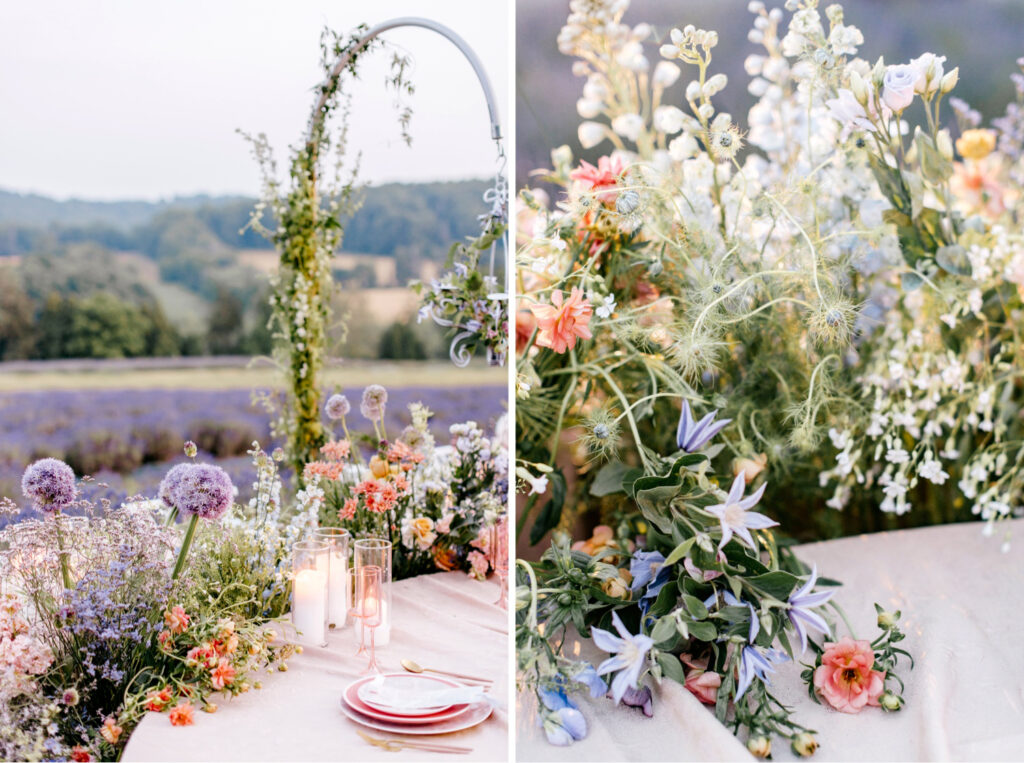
(368, 608)
(376, 552)
(498, 547)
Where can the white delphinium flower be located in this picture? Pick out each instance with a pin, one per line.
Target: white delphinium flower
(897, 455)
(932, 471)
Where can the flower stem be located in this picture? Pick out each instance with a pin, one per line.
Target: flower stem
(64, 572)
(172, 515)
(185, 545)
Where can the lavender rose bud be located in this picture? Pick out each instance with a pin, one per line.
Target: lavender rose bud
(898, 86)
(50, 484)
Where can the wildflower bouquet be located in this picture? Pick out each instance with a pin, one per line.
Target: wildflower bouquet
(118, 611)
(784, 283)
(435, 503)
(692, 587)
(472, 304)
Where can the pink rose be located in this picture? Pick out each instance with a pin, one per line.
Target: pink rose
(444, 524)
(703, 685)
(898, 86)
(478, 564)
(845, 679)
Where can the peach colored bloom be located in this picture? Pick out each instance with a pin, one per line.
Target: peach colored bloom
(525, 324)
(399, 451)
(181, 714)
(845, 679)
(164, 639)
(158, 700)
(348, 509)
(700, 681)
(401, 484)
(329, 469)
(478, 564)
(176, 619)
(223, 674)
(336, 450)
(444, 524)
(563, 320)
(110, 730)
(976, 187)
(380, 496)
(379, 467)
(605, 175)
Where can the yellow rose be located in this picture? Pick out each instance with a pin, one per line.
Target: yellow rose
(617, 588)
(976, 144)
(422, 530)
(379, 467)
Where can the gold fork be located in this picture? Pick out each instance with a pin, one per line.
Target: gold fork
(396, 745)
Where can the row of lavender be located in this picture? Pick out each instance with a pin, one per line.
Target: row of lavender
(126, 439)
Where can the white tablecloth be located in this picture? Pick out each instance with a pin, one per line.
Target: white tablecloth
(445, 621)
(963, 612)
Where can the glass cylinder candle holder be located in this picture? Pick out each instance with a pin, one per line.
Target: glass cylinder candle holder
(310, 573)
(376, 552)
(338, 584)
(499, 558)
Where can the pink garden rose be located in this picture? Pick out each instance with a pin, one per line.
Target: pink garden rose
(845, 679)
(703, 684)
(478, 563)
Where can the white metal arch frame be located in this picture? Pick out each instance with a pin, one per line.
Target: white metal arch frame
(496, 196)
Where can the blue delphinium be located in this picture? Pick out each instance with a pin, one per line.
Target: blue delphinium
(629, 656)
(648, 570)
(561, 720)
(693, 435)
(588, 676)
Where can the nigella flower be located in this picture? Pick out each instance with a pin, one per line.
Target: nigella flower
(735, 516)
(630, 656)
(337, 407)
(50, 484)
(201, 489)
(800, 611)
(648, 569)
(693, 435)
(375, 399)
(562, 722)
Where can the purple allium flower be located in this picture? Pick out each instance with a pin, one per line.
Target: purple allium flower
(375, 399)
(337, 407)
(50, 484)
(201, 489)
(693, 435)
(171, 480)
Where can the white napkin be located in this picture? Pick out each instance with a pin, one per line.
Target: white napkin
(381, 692)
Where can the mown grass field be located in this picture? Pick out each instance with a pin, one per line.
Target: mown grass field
(202, 373)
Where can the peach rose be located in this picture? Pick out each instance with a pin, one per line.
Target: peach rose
(845, 679)
(176, 619)
(421, 530)
(182, 714)
(700, 681)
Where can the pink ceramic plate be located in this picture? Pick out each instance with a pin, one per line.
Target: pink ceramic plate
(476, 714)
(351, 700)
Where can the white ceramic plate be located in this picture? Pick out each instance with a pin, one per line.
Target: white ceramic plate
(351, 698)
(411, 682)
(477, 714)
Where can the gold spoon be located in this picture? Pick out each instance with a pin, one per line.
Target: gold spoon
(413, 667)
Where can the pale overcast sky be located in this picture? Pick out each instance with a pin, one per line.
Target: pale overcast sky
(115, 99)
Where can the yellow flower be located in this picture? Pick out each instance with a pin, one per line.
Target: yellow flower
(379, 467)
(422, 529)
(976, 144)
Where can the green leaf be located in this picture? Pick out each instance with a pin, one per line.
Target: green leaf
(671, 667)
(703, 631)
(654, 505)
(551, 513)
(679, 551)
(629, 480)
(664, 630)
(910, 281)
(608, 479)
(953, 259)
(778, 584)
(695, 607)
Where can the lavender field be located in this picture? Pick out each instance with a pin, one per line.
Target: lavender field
(126, 439)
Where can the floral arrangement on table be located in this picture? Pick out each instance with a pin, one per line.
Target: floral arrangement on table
(843, 282)
(472, 304)
(435, 503)
(114, 612)
(695, 588)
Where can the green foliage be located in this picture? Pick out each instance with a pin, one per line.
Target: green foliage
(400, 342)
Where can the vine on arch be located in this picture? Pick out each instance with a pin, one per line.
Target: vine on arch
(307, 231)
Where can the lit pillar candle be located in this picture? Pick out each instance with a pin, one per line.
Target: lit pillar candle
(309, 605)
(336, 573)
